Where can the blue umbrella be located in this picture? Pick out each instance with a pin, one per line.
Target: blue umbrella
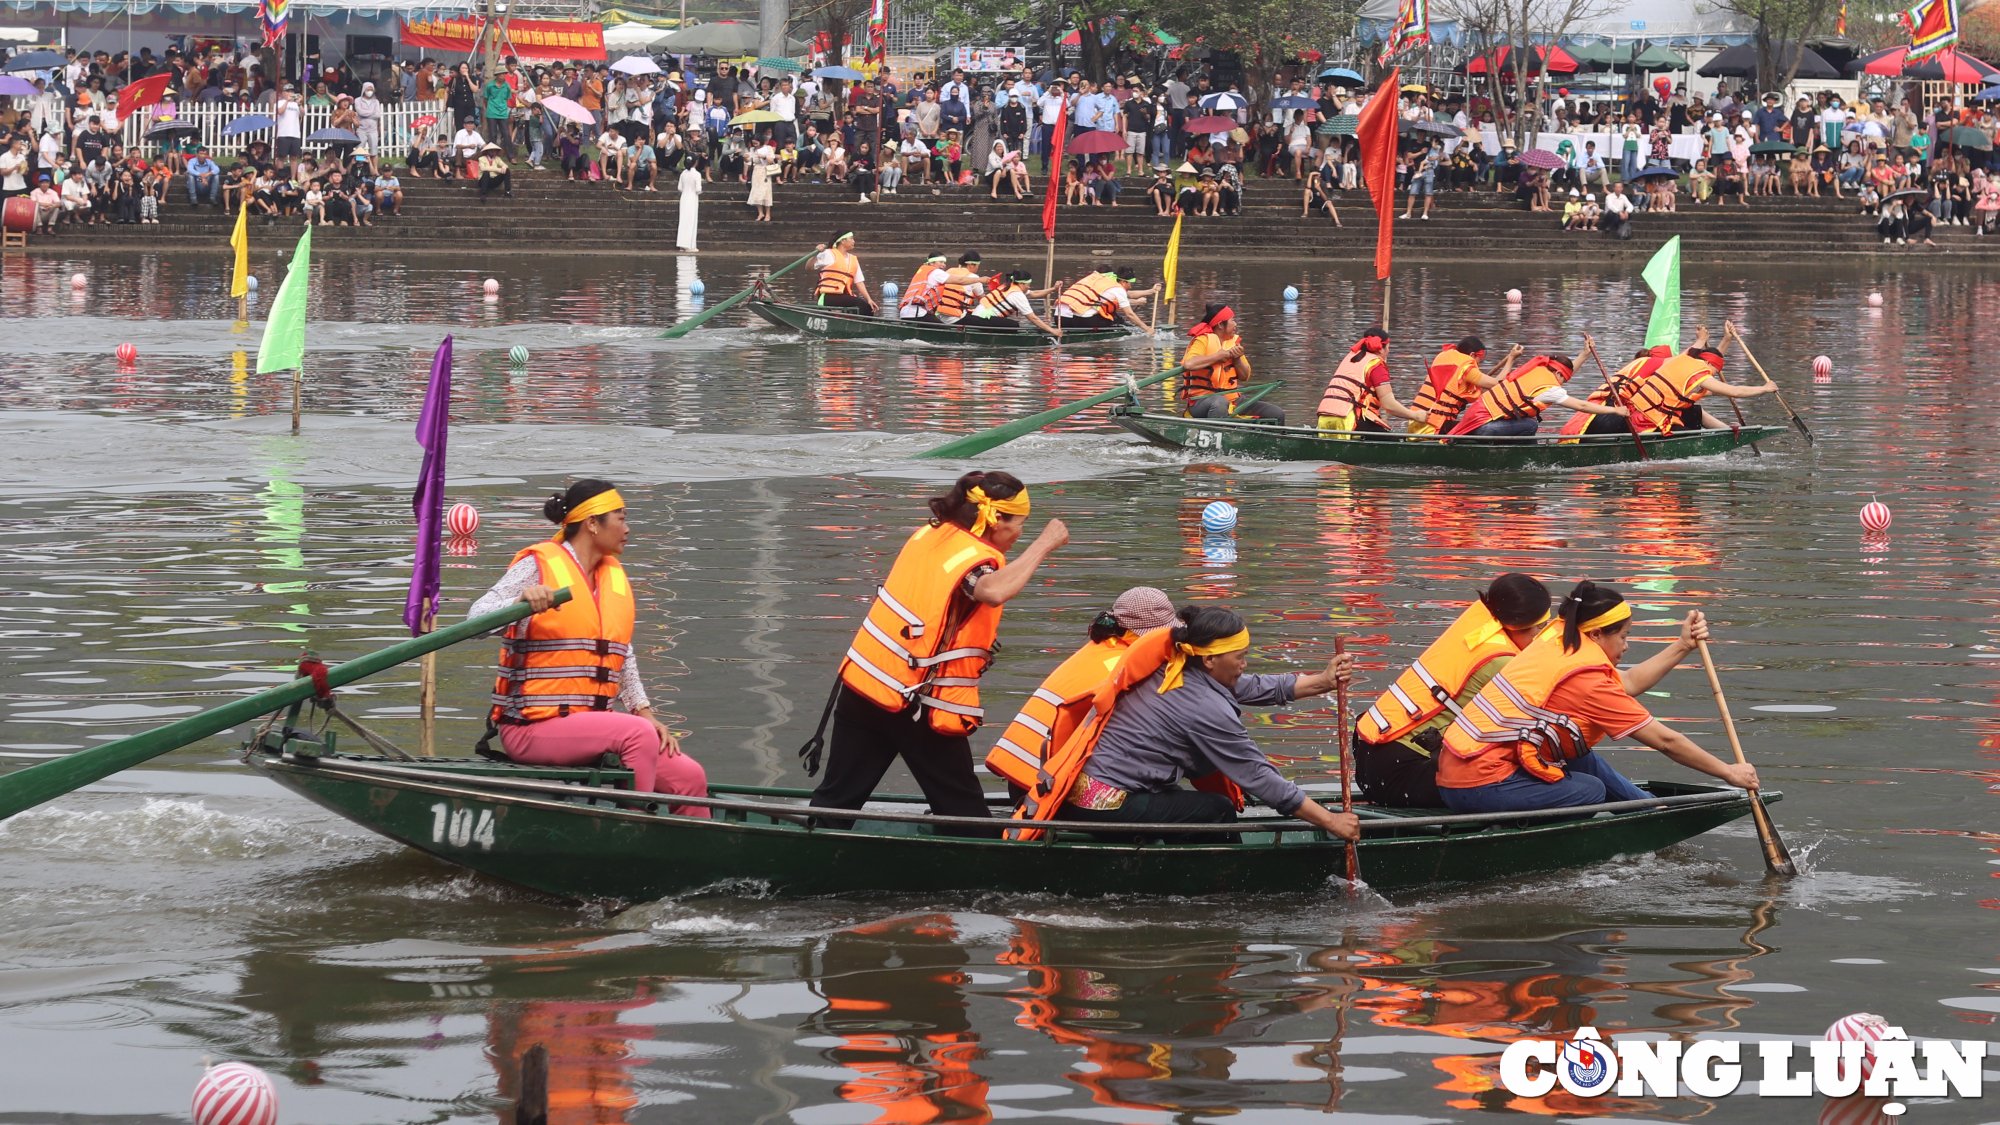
(248, 123)
(1294, 101)
(1990, 93)
(334, 137)
(33, 60)
(846, 72)
(1341, 74)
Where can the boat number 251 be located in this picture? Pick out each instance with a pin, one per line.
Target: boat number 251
(462, 828)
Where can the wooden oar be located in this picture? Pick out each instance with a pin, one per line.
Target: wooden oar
(999, 435)
(1631, 423)
(706, 315)
(1777, 860)
(1346, 778)
(45, 781)
(1730, 328)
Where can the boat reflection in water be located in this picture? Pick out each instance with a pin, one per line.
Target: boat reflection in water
(971, 1016)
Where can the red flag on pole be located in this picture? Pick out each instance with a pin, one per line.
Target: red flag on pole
(1377, 133)
(1054, 191)
(138, 95)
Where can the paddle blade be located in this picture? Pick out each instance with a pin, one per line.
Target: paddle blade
(974, 444)
(1777, 857)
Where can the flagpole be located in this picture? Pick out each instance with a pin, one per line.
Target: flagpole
(298, 393)
(427, 696)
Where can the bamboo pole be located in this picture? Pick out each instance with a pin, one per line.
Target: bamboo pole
(427, 695)
(298, 395)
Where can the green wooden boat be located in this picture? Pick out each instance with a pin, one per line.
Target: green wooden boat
(1542, 451)
(839, 324)
(583, 834)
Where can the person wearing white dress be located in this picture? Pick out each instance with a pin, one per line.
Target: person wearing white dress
(690, 184)
(763, 169)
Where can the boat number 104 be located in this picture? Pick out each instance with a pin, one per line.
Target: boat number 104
(462, 828)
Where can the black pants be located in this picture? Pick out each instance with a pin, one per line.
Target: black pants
(488, 181)
(1394, 776)
(1171, 806)
(867, 740)
(1097, 320)
(847, 301)
(1217, 406)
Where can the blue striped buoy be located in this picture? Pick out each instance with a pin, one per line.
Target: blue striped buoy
(1218, 517)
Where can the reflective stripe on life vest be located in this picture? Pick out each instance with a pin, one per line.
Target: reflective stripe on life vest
(921, 642)
(1053, 711)
(1510, 719)
(995, 302)
(1674, 386)
(1432, 681)
(922, 291)
(1216, 378)
(1347, 390)
(1514, 397)
(570, 657)
(841, 275)
(955, 294)
(1086, 297)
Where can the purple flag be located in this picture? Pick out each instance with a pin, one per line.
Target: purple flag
(428, 503)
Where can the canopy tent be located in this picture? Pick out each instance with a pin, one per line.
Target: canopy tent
(1741, 62)
(724, 37)
(633, 35)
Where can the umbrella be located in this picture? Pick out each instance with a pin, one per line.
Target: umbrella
(1210, 124)
(1554, 60)
(1594, 56)
(1153, 35)
(635, 64)
(33, 60)
(333, 137)
(1429, 128)
(1294, 101)
(1340, 74)
(1544, 159)
(12, 87)
(1656, 171)
(1340, 125)
(1762, 147)
(1223, 103)
(174, 128)
(847, 73)
(1990, 93)
(248, 123)
(787, 66)
(757, 117)
(1654, 58)
(1092, 141)
(1907, 193)
(1948, 65)
(722, 38)
(424, 121)
(1965, 136)
(1741, 62)
(568, 110)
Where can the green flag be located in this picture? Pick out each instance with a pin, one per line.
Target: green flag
(284, 345)
(1663, 277)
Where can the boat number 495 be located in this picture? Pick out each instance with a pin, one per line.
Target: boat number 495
(462, 828)
(816, 323)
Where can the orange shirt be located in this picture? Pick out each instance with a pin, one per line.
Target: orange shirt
(1595, 698)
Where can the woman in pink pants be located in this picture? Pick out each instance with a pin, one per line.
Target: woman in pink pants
(563, 668)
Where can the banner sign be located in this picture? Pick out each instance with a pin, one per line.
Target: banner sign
(527, 39)
(974, 59)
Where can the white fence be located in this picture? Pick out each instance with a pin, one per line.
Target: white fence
(212, 119)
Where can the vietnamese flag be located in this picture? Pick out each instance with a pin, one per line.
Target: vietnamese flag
(146, 91)
(1377, 133)
(1054, 191)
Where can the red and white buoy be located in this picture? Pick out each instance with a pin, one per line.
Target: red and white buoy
(1875, 517)
(235, 1093)
(1823, 367)
(128, 354)
(462, 520)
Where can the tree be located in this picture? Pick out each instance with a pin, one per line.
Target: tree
(1779, 27)
(1520, 26)
(1264, 34)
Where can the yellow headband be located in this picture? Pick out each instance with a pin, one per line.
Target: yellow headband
(990, 510)
(606, 501)
(1234, 642)
(1609, 617)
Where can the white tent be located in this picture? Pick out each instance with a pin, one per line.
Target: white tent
(632, 36)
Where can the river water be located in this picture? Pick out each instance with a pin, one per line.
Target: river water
(171, 545)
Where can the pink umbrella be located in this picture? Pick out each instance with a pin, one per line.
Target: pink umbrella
(568, 110)
(1092, 141)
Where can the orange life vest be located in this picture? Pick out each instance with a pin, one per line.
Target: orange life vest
(955, 295)
(1087, 297)
(1659, 398)
(995, 303)
(1053, 711)
(1347, 391)
(1219, 378)
(1617, 390)
(922, 642)
(1508, 723)
(1447, 389)
(1514, 396)
(1432, 681)
(1064, 764)
(922, 292)
(568, 658)
(841, 275)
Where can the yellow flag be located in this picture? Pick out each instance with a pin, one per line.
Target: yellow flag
(1170, 272)
(239, 284)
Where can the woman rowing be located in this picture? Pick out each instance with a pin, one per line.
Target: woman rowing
(1173, 710)
(841, 284)
(909, 685)
(562, 669)
(1358, 394)
(1513, 407)
(1525, 741)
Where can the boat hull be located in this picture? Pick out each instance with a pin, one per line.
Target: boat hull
(566, 846)
(1300, 443)
(838, 324)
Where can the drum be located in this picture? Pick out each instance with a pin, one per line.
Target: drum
(18, 215)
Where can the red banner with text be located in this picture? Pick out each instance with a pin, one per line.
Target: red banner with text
(527, 39)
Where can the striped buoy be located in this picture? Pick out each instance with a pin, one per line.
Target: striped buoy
(1875, 516)
(1219, 516)
(462, 520)
(1823, 365)
(128, 355)
(518, 355)
(235, 1094)
(1861, 1027)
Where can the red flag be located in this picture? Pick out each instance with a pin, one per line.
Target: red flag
(1054, 192)
(144, 92)
(1377, 133)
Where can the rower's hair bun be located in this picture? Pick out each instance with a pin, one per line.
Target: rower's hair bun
(555, 508)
